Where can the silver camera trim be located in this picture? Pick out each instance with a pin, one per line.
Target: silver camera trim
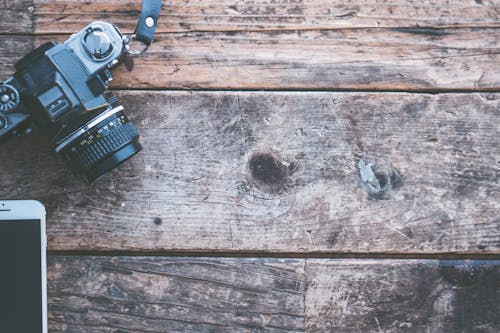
(93, 65)
(85, 128)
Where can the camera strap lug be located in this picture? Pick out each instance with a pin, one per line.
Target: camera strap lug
(146, 26)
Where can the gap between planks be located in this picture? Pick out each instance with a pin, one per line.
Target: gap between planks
(277, 255)
(436, 91)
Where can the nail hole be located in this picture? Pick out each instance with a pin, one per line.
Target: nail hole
(157, 220)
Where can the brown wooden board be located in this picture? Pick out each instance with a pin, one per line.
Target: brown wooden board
(292, 45)
(13, 48)
(278, 172)
(17, 17)
(228, 15)
(390, 59)
(160, 294)
(137, 294)
(402, 296)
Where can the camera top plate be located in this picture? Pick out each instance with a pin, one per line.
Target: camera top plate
(98, 45)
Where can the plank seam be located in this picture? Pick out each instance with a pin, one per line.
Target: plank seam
(316, 90)
(290, 255)
(293, 29)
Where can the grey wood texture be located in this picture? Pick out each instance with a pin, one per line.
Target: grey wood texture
(137, 294)
(242, 173)
(13, 48)
(278, 172)
(402, 296)
(17, 17)
(159, 294)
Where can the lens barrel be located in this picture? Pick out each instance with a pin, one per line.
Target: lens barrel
(101, 145)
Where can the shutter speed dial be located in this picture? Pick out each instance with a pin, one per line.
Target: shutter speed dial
(9, 98)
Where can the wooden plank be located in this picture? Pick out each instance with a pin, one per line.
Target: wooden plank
(123, 294)
(278, 172)
(161, 294)
(402, 296)
(401, 59)
(398, 56)
(17, 16)
(14, 47)
(230, 15)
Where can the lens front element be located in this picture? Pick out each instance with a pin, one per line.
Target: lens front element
(102, 145)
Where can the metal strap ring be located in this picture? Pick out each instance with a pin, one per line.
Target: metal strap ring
(133, 52)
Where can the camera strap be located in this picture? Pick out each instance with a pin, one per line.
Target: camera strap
(146, 26)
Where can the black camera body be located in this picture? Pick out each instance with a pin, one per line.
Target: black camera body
(60, 88)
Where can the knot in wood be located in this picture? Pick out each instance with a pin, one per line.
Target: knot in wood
(377, 179)
(269, 172)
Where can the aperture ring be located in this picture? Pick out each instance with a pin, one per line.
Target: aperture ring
(101, 141)
(107, 145)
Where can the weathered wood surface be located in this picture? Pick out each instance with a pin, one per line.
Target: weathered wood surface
(122, 294)
(158, 294)
(255, 172)
(296, 45)
(401, 59)
(402, 296)
(12, 49)
(278, 172)
(17, 17)
(232, 15)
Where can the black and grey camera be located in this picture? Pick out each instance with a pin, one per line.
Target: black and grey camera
(60, 88)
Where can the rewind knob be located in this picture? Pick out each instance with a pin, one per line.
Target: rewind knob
(9, 98)
(98, 43)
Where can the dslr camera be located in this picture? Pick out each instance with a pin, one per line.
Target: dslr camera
(60, 88)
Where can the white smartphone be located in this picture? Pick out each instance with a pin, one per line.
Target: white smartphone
(23, 280)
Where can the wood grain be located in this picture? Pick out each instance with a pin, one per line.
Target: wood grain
(14, 47)
(17, 17)
(161, 294)
(395, 59)
(134, 294)
(441, 48)
(280, 15)
(402, 296)
(277, 172)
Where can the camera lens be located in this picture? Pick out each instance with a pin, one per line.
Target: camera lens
(101, 145)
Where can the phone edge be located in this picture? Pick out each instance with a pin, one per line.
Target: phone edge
(28, 210)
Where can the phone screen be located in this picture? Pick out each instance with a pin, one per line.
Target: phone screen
(20, 276)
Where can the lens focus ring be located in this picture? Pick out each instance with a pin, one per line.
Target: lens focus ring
(106, 145)
(103, 147)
